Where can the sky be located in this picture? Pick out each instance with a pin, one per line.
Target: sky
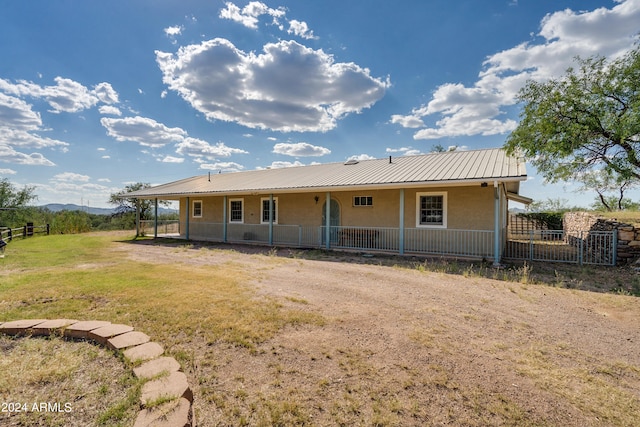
(98, 95)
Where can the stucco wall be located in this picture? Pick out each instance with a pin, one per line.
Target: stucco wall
(468, 208)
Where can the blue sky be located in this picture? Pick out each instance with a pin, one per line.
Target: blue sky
(96, 95)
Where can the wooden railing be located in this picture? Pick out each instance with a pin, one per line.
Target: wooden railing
(7, 234)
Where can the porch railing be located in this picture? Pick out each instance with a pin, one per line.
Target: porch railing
(462, 243)
(164, 226)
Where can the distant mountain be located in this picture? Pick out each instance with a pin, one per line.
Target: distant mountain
(56, 207)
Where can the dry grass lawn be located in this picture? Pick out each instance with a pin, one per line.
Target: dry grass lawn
(288, 337)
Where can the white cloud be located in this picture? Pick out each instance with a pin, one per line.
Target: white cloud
(360, 157)
(300, 29)
(143, 130)
(70, 177)
(222, 166)
(149, 133)
(479, 109)
(17, 114)
(66, 96)
(172, 159)
(289, 87)
(7, 172)
(300, 149)
(18, 122)
(248, 15)
(198, 147)
(405, 151)
(280, 165)
(9, 155)
(91, 192)
(411, 121)
(110, 110)
(173, 31)
(106, 93)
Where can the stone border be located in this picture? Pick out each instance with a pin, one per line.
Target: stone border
(135, 347)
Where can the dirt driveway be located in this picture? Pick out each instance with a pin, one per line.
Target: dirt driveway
(406, 347)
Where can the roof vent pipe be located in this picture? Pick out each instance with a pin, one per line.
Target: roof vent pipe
(209, 176)
(389, 159)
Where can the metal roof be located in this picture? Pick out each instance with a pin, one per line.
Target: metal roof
(452, 167)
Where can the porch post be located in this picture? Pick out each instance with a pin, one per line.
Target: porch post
(224, 219)
(401, 225)
(327, 221)
(137, 218)
(186, 225)
(155, 219)
(496, 224)
(271, 219)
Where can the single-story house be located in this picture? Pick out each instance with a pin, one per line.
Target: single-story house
(452, 204)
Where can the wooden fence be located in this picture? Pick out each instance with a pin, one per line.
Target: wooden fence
(7, 234)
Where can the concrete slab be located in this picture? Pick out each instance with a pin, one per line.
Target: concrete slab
(20, 327)
(81, 330)
(174, 386)
(128, 339)
(155, 367)
(101, 335)
(51, 326)
(170, 414)
(146, 351)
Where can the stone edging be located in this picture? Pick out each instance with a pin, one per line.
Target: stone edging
(135, 347)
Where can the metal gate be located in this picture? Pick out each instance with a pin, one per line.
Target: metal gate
(582, 247)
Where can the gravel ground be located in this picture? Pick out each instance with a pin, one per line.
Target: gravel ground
(406, 347)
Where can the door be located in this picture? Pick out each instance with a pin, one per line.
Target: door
(334, 221)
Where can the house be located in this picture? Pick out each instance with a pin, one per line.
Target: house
(451, 204)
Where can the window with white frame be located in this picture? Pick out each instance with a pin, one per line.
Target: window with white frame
(431, 210)
(236, 210)
(362, 200)
(197, 209)
(264, 210)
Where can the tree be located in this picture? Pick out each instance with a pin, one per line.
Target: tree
(13, 204)
(127, 205)
(587, 120)
(610, 203)
(605, 182)
(11, 197)
(440, 149)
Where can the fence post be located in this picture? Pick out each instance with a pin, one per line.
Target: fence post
(581, 248)
(614, 249)
(531, 244)
(10, 235)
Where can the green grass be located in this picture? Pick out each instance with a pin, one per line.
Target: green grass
(90, 385)
(80, 277)
(83, 277)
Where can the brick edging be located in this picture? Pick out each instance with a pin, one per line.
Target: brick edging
(136, 347)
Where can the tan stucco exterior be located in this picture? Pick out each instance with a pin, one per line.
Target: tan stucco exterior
(468, 208)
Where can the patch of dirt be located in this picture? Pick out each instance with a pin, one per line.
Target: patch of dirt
(54, 382)
(408, 347)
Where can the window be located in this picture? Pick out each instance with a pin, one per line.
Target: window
(362, 201)
(197, 209)
(431, 210)
(236, 210)
(264, 211)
